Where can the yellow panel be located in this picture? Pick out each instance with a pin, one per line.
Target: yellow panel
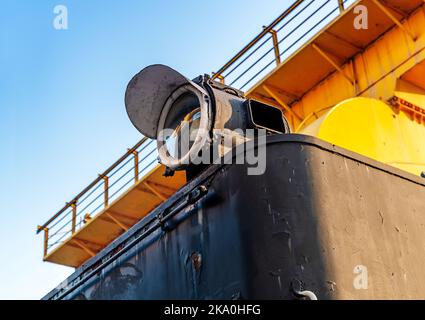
(120, 215)
(370, 127)
(372, 58)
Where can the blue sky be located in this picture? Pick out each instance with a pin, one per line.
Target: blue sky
(61, 101)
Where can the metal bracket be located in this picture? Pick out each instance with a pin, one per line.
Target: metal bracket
(154, 191)
(281, 102)
(275, 44)
(329, 59)
(394, 19)
(82, 246)
(117, 222)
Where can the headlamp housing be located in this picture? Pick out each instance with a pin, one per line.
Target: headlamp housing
(185, 115)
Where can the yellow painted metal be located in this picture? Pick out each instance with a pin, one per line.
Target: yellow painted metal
(149, 192)
(372, 128)
(386, 60)
(373, 58)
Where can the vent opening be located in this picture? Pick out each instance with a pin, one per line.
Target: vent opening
(267, 117)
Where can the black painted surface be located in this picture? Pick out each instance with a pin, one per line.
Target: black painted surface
(248, 237)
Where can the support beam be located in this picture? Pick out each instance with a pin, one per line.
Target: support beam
(282, 92)
(163, 189)
(122, 215)
(344, 41)
(404, 14)
(332, 62)
(387, 12)
(117, 222)
(74, 217)
(219, 77)
(275, 45)
(82, 246)
(417, 88)
(154, 191)
(46, 241)
(341, 6)
(281, 102)
(262, 98)
(106, 190)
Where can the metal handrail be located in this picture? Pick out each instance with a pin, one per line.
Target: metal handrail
(256, 39)
(235, 62)
(64, 223)
(91, 185)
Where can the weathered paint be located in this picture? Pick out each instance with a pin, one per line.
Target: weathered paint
(380, 62)
(317, 213)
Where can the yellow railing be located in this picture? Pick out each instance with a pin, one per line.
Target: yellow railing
(279, 40)
(136, 162)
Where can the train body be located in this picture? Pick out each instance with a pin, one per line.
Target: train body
(317, 215)
(338, 211)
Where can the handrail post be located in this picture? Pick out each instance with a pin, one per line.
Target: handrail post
(257, 38)
(106, 190)
(341, 5)
(74, 216)
(219, 77)
(46, 240)
(136, 165)
(275, 45)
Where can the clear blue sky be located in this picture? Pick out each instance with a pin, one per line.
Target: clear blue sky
(61, 101)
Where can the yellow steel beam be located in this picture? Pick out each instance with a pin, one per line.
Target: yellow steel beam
(74, 217)
(281, 102)
(106, 190)
(82, 246)
(122, 216)
(219, 77)
(154, 191)
(136, 165)
(46, 240)
(332, 62)
(309, 116)
(341, 5)
(344, 41)
(282, 92)
(394, 19)
(275, 45)
(119, 223)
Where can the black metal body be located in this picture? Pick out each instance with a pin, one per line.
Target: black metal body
(227, 235)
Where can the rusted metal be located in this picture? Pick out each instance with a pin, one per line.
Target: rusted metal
(46, 240)
(74, 217)
(341, 5)
(136, 165)
(106, 190)
(275, 45)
